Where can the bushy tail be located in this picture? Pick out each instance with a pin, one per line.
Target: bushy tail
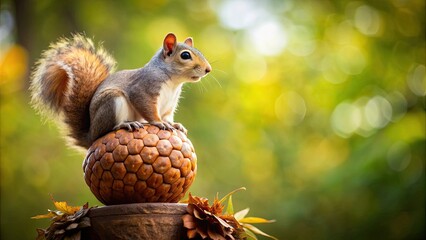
(65, 79)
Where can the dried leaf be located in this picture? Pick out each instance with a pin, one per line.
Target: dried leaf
(255, 220)
(41, 234)
(75, 236)
(217, 207)
(86, 205)
(188, 221)
(50, 214)
(65, 208)
(72, 226)
(258, 231)
(191, 233)
(214, 235)
(59, 232)
(67, 222)
(202, 232)
(202, 202)
(222, 222)
(241, 214)
(84, 223)
(198, 213)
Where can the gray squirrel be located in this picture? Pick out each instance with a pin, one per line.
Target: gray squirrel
(76, 82)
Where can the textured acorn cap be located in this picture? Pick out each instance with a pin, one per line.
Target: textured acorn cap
(147, 165)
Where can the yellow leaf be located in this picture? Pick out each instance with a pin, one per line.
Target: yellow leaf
(51, 214)
(63, 207)
(255, 220)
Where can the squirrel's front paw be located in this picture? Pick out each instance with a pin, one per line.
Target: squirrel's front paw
(180, 127)
(129, 125)
(163, 125)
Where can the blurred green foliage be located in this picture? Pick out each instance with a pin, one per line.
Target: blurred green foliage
(317, 107)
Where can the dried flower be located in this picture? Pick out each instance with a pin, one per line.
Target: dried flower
(67, 221)
(209, 222)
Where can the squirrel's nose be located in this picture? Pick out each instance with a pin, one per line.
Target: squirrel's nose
(208, 69)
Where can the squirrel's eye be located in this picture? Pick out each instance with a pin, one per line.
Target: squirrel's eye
(185, 55)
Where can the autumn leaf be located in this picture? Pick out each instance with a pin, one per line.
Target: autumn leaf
(51, 214)
(67, 221)
(65, 208)
(255, 220)
(62, 208)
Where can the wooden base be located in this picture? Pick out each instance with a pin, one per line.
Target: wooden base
(137, 221)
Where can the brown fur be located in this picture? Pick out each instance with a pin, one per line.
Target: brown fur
(65, 80)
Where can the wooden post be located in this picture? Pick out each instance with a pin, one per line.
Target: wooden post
(137, 221)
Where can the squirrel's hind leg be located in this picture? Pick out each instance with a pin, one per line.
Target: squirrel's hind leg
(102, 119)
(111, 111)
(125, 116)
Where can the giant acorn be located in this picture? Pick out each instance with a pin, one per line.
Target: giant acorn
(146, 165)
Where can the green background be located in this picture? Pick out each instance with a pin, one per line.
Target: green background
(316, 107)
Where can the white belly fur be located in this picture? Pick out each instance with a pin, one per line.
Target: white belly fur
(123, 110)
(168, 100)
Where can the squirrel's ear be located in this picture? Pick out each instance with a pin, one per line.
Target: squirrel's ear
(189, 42)
(169, 44)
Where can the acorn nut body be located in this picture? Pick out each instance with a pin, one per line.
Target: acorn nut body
(147, 165)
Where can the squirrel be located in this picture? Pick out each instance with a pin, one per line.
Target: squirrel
(76, 82)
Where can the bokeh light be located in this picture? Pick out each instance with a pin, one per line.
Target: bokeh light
(368, 20)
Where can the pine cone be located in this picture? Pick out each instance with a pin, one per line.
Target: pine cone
(66, 226)
(208, 222)
(147, 165)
